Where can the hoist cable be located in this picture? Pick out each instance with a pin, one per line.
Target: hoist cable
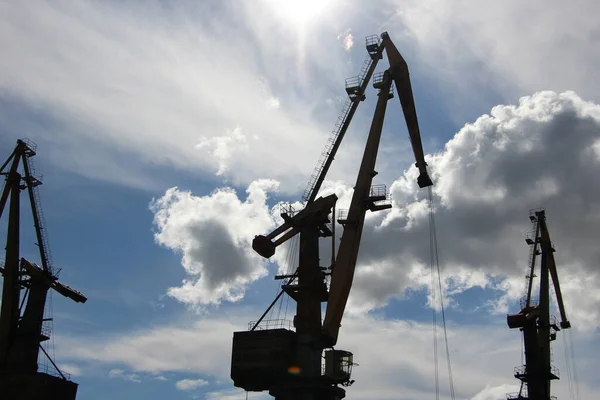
(522, 350)
(434, 328)
(51, 318)
(278, 295)
(292, 261)
(435, 261)
(287, 269)
(433, 304)
(574, 367)
(569, 373)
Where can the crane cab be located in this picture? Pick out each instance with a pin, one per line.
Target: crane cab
(338, 365)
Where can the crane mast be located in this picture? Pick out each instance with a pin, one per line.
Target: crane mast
(534, 320)
(289, 364)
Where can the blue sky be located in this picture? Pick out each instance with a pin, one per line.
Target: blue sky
(168, 132)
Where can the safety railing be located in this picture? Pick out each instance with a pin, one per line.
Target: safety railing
(49, 369)
(271, 324)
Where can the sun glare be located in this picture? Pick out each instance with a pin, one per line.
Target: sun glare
(299, 12)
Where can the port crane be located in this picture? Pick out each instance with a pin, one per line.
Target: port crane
(534, 319)
(289, 363)
(22, 328)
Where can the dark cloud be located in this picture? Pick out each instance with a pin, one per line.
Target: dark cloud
(216, 248)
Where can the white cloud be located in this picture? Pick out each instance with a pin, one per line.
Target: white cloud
(394, 356)
(273, 103)
(214, 233)
(479, 46)
(190, 384)
(203, 348)
(296, 13)
(140, 84)
(71, 369)
(224, 148)
(235, 394)
(495, 392)
(119, 373)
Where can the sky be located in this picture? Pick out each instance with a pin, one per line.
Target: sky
(169, 132)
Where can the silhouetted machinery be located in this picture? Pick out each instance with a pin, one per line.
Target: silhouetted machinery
(289, 364)
(22, 329)
(534, 320)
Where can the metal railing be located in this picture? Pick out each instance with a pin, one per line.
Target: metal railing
(521, 371)
(342, 214)
(287, 208)
(271, 324)
(49, 369)
(29, 144)
(378, 190)
(46, 330)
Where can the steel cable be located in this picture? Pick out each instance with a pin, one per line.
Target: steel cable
(435, 267)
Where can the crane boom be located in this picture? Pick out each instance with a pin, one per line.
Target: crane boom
(401, 76)
(341, 279)
(342, 276)
(546, 245)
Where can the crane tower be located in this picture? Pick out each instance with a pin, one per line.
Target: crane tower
(287, 363)
(534, 319)
(24, 290)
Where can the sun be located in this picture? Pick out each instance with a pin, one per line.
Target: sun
(299, 12)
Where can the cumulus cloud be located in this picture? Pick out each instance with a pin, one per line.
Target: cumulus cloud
(519, 157)
(190, 384)
(214, 234)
